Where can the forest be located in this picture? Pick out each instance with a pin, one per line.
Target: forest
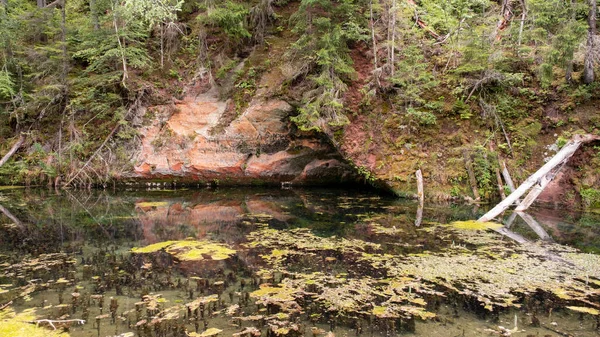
(247, 168)
(392, 86)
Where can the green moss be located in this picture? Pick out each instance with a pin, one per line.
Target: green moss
(590, 197)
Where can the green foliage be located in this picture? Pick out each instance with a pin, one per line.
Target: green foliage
(229, 16)
(563, 24)
(484, 168)
(7, 90)
(102, 53)
(152, 12)
(421, 117)
(323, 48)
(446, 16)
(412, 77)
(561, 141)
(590, 197)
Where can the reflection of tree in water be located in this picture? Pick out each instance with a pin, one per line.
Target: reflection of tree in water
(49, 221)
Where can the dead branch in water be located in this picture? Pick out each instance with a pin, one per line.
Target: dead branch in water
(51, 322)
(542, 177)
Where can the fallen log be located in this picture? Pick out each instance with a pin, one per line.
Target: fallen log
(545, 172)
(12, 150)
(538, 189)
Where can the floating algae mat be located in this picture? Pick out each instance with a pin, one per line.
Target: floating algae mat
(189, 250)
(287, 263)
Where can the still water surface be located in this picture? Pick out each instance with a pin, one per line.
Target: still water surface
(293, 262)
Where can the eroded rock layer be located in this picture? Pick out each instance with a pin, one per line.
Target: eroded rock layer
(186, 142)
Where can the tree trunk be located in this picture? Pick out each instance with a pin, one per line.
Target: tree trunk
(505, 16)
(561, 157)
(65, 61)
(373, 38)
(472, 178)
(588, 68)
(41, 3)
(500, 185)
(393, 46)
(121, 49)
(507, 178)
(94, 15)
(538, 189)
(523, 17)
(12, 150)
(569, 69)
(162, 45)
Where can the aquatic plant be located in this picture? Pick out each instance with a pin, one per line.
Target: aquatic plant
(189, 250)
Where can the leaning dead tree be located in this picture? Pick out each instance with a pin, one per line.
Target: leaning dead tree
(13, 149)
(540, 179)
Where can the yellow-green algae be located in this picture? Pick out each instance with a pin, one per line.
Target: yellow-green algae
(471, 261)
(155, 247)
(474, 225)
(190, 250)
(145, 204)
(18, 325)
(210, 332)
(585, 310)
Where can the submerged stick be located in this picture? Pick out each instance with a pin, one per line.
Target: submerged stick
(421, 196)
(9, 215)
(51, 322)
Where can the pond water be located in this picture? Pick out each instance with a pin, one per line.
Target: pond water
(295, 262)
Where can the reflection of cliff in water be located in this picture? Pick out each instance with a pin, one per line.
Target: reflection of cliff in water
(228, 213)
(40, 220)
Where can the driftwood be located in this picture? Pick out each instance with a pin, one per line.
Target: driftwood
(542, 177)
(421, 196)
(12, 150)
(51, 322)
